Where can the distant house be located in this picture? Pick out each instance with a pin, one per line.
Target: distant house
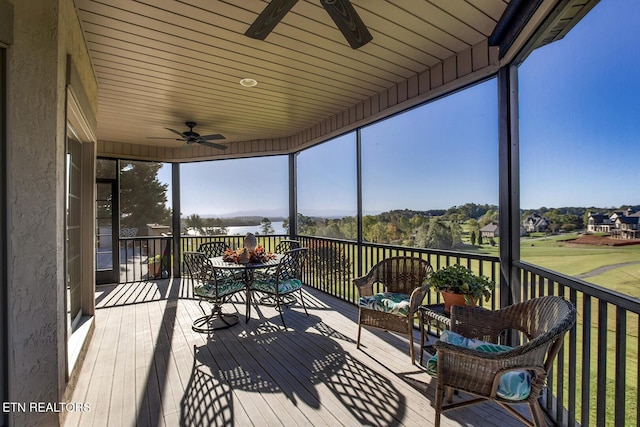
(535, 223)
(615, 214)
(599, 223)
(627, 226)
(490, 230)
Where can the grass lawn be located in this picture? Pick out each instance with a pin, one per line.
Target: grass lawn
(612, 267)
(557, 254)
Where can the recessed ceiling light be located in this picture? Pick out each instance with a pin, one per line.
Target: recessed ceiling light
(248, 82)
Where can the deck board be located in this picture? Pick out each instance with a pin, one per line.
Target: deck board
(146, 367)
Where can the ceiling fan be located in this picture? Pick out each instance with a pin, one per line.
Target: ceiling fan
(190, 137)
(341, 11)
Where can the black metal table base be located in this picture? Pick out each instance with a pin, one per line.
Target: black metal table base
(212, 322)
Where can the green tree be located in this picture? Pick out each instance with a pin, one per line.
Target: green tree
(436, 235)
(266, 227)
(349, 227)
(472, 238)
(333, 230)
(196, 223)
(306, 225)
(143, 198)
(489, 217)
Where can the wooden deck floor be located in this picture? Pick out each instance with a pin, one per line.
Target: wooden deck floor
(146, 367)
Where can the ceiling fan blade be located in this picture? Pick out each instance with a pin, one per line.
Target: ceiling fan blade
(212, 145)
(269, 18)
(157, 137)
(348, 22)
(176, 132)
(211, 137)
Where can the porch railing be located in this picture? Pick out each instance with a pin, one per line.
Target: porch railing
(144, 258)
(334, 263)
(596, 376)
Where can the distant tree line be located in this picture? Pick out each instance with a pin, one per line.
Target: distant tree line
(144, 201)
(204, 226)
(440, 228)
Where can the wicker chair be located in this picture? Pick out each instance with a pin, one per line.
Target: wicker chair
(283, 281)
(393, 304)
(542, 323)
(212, 249)
(213, 286)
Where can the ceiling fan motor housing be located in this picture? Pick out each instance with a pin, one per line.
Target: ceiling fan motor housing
(190, 134)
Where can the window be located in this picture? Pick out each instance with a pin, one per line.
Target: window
(144, 199)
(235, 197)
(430, 175)
(579, 100)
(327, 194)
(73, 248)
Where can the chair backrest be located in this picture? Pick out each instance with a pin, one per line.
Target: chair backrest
(291, 264)
(212, 249)
(400, 274)
(286, 245)
(128, 232)
(543, 321)
(199, 267)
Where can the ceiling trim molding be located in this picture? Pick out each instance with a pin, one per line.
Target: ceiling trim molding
(470, 66)
(556, 24)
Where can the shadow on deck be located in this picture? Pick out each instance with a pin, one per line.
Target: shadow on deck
(145, 366)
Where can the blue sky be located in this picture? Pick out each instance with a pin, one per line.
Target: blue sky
(580, 113)
(229, 186)
(579, 126)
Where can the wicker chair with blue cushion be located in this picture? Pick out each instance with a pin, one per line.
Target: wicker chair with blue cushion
(212, 249)
(468, 358)
(390, 294)
(284, 280)
(215, 287)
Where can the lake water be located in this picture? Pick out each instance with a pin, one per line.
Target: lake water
(255, 229)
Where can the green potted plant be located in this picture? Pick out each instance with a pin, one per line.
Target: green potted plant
(459, 285)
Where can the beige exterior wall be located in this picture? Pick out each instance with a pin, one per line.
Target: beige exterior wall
(44, 33)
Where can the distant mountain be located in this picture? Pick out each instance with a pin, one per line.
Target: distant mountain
(262, 213)
(282, 213)
(329, 214)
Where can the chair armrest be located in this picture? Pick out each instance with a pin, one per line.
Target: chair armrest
(364, 285)
(417, 297)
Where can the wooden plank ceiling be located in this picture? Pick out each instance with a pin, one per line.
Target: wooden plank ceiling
(160, 63)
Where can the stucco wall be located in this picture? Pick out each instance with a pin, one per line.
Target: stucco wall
(44, 32)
